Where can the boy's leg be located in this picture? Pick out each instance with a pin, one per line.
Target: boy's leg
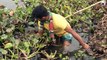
(67, 38)
(66, 43)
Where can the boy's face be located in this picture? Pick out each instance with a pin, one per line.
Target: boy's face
(43, 19)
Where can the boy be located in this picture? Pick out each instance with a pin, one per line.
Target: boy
(58, 25)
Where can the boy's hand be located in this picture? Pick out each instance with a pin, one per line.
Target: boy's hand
(88, 49)
(40, 33)
(86, 46)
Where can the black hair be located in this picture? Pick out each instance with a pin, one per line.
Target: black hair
(39, 12)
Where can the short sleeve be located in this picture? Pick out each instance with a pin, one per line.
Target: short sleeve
(61, 22)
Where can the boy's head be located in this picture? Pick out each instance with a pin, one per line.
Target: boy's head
(40, 12)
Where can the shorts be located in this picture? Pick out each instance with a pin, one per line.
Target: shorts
(67, 37)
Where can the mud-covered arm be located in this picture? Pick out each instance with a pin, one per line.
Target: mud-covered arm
(77, 36)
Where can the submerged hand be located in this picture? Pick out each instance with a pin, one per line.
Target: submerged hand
(88, 49)
(86, 46)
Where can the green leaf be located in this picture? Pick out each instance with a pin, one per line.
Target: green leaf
(8, 45)
(17, 43)
(2, 59)
(15, 56)
(3, 51)
(16, 1)
(4, 36)
(30, 23)
(9, 30)
(26, 44)
(60, 55)
(28, 51)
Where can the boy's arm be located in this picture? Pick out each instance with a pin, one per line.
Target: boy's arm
(77, 37)
(40, 31)
(39, 28)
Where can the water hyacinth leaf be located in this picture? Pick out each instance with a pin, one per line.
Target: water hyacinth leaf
(16, 1)
(28, 51)
(17, 43)
(2, 59)
(60, 55)
(30, 23)
(9, 30)
(15, 56)
(4, 36)
(29, 10)
(59, 1)
(3, 51)
(35, 41)
(26, 44)
(8, 45)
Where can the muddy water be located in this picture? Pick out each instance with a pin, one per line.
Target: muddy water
(9, 4)
(76, 46)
